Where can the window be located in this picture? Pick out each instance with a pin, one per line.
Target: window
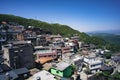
(16, 51)
(21, 50)
(25, 75)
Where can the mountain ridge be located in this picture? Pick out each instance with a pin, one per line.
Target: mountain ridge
(115, 32)
(54, 28)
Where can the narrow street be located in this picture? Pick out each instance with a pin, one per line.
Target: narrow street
(83, 76)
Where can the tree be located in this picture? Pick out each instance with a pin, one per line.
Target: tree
(108, 55)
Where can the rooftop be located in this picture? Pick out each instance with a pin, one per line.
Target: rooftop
(4, 68)
(105, 67)
(61, 66)
(45, 51)
(20, 42)
(9, 74)
(21, 70)
(95, 62)
(43, 75)
(43, 60)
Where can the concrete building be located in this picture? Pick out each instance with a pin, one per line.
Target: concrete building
(62, 69)
(56, 37)
(12, 30)
(16, 74)
(20, 36)
(77, 60)
(18, 54)
(42, 75)
(41, 40)
(58, 44)
(75, 37)
(74, 45)
(67, 57)
(45, 54)
(93, 63)
(66, 50)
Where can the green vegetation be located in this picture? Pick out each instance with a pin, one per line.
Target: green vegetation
(94, 40)
(74, 67)
(106, 75)
(113, 41)
(108, 55)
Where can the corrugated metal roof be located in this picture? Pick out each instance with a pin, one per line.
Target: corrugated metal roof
(21, 71)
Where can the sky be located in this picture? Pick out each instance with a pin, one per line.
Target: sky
(82, 15)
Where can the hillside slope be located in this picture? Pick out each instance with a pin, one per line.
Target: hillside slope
(64, 30)
(114, 40)
(54, 28)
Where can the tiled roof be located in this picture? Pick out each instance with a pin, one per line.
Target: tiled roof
(43, 60)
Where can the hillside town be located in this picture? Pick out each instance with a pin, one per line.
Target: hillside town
(35, 54)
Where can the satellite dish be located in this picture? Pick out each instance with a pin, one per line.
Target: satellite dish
(38, 78)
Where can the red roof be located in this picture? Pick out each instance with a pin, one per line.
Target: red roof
(43, 60)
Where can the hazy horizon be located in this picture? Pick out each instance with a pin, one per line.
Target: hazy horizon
(82, 15)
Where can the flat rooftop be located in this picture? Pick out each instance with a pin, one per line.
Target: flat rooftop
(45, 51)
(43, 75)
(61, 66)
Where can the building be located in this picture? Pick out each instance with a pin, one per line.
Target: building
(3, 67)
(62, 69)
(18, 54)
(48, 38)
(16, 74)
(67, 57)
(105, 67)
(41, 40)
(10, 30)
(73, 45)
(9, 76)
(66, 50)
(75, 37)
(56, 37)
(42, 75)
(44, 60)
(93, 63)
(22, 73)
(20, 37)
(45, 54)
(116, 59)
(30, 35)
(3, 37)
(77, 60)
(58, 49)
(58, 44)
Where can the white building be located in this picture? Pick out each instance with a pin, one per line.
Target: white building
(93, 63)
(71, 45)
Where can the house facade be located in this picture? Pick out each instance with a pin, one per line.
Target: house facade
(41, 40)
(18, 54)
(45, 52)
(62, 69)
(93, 64)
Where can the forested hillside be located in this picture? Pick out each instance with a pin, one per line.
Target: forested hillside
(112, 39)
